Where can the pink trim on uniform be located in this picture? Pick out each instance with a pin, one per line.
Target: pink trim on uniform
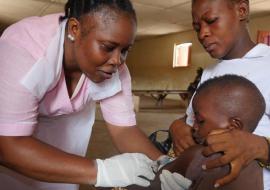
(14, 130)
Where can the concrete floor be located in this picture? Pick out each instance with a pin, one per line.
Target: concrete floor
(149, 118)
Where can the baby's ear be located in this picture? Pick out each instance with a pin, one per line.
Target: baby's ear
(235, 123)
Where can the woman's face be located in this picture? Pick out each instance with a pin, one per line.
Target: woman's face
(217, 25)
(102, 44)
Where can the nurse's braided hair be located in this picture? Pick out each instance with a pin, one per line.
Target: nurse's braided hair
(78, 8)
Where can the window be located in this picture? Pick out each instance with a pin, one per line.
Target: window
(181, 55)
(263, 37)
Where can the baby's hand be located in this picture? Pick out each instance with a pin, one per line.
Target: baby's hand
(181, 136)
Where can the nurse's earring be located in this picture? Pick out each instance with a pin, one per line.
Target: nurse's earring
(71, 38)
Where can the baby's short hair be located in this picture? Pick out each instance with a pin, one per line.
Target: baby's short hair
(235, 96)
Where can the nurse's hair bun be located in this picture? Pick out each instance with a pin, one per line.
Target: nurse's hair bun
(78, 8)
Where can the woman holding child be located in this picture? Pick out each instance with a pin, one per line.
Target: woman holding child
(53, 70)
(221, 27)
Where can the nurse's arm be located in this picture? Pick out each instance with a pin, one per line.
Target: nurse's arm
(132, 139)
(43, 162)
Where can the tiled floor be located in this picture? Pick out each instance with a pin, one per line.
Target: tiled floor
(149, 118)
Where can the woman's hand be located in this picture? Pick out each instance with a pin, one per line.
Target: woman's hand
(181, 136)
(239, 148)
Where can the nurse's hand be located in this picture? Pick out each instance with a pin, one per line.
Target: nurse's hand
(173, 181)
(125, 169)
(239, 148)
(181, 136)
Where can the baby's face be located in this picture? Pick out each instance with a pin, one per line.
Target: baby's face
(207, 117)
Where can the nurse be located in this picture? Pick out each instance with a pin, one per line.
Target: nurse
(53, 70)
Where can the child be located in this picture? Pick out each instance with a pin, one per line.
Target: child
(218, 103)
(221, 27)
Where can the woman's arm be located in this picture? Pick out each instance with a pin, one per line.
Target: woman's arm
(40, 161)
(120, 119)
(132, 139)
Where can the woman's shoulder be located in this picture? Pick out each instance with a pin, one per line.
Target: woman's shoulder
(33, 33)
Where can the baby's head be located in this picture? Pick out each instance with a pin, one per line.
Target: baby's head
(228, 101)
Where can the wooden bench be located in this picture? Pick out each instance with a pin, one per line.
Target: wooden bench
(160, 95)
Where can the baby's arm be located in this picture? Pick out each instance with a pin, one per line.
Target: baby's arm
(250, 177)
(180, 165)
(189, 165)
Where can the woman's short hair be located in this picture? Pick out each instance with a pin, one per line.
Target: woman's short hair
(78, 8)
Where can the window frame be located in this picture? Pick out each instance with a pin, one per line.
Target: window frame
(185, 49)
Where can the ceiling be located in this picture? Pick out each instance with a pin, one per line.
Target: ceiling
(155, 17)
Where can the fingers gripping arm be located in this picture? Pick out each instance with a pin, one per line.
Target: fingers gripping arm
(238, 151)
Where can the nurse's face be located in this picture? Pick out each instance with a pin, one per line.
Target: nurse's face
(103, 44)
(218, 27)
(207, 117)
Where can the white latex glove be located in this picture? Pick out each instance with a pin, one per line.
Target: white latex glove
(125, 169)
(173, 181)
(162, 161)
